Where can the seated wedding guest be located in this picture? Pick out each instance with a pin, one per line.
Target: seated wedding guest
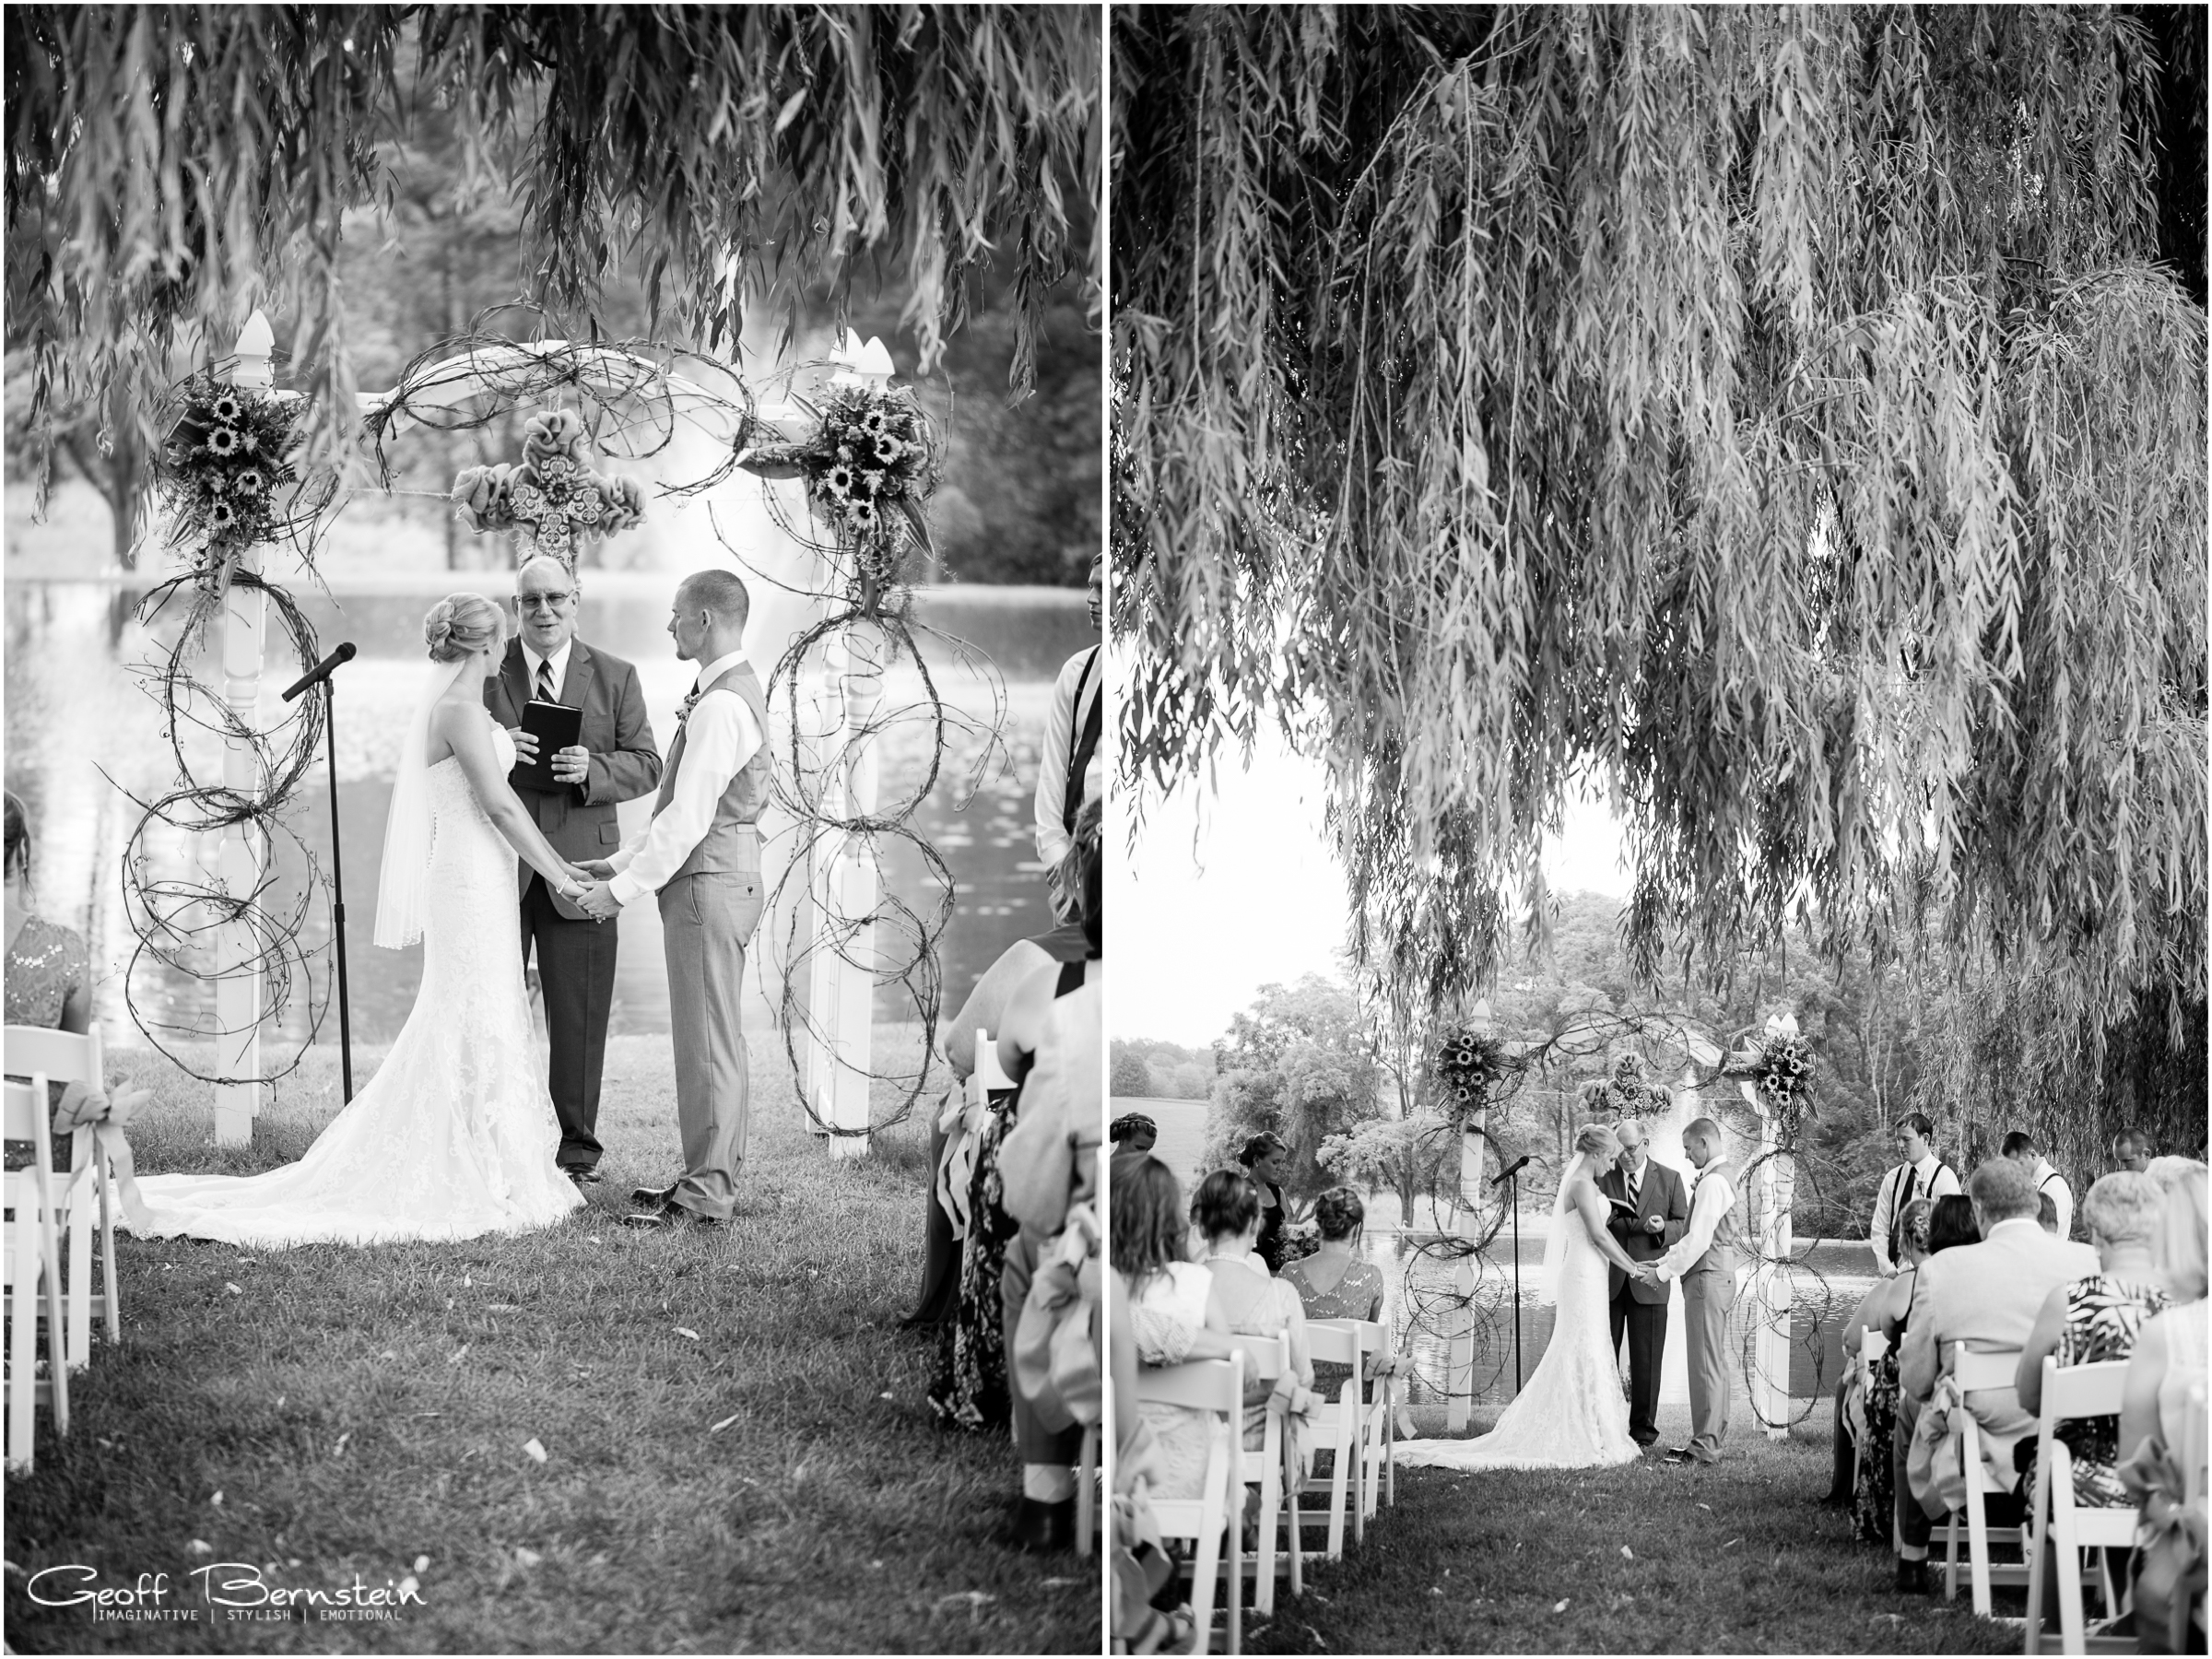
(2020, 1146)
(2169, 1170)
(1986, 1294)
(1175, 1312)
(1144, 1617)
(2093, 1321)
(1265, 1156)
(953, 1139)
(1255, 1302)
(1132, 1131)
(1869, 1393)
(49, 979)
(1921, 1174)
(2134, 1149)
(1048, 1170)
(2167, 1361)
(969, 1388)
(1335, 1282)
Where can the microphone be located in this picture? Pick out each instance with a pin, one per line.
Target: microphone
(1510, 1170)
(320, 671)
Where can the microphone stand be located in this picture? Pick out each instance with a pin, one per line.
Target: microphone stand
(337, 883)
(1513, 1197)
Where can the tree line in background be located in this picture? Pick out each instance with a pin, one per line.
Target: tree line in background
(1347, 1087)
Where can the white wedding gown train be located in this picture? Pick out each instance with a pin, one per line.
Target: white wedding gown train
(454, 1137)
(1571, 1413)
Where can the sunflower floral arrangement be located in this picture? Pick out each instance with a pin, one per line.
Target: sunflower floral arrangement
(868, 470)
(1469, 1065)
(224, 463)
(1627, 1090)
(1778, 1064)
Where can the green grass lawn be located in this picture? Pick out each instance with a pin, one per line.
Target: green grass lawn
(1649, 1559)
(739, 1455)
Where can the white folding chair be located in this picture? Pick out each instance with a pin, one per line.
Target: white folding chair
(1975, 1371)
(1338, 1428)
(2072, 1391)
(1276, 1472)
(2192, 1445)
(34, 1270)
(989, 1074)
(1216, 1386)
(69, 1057)
(1379, 1441)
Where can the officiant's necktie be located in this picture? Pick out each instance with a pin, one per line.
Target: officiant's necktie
(545, 682)
(1635, 1186)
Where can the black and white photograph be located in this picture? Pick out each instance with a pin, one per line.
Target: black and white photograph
(556, 741)
(1657, 635)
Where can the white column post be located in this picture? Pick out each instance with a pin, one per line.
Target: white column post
(1771, 1234)
(240, 856)
(845, 881)
(1474, 1144)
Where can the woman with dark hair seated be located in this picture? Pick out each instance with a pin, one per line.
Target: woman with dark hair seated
(1255, 1302)
(1335, 1282)
(1174, 1305)
(1868, 1492)
(1266, 1157)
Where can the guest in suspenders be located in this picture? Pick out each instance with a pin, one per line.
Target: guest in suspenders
(1922, 1175)
(1066, 776)
(2020, 1145)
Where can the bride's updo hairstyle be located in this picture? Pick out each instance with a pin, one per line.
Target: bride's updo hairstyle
(461, 624)
(1597, 1140)
(1227, 1207)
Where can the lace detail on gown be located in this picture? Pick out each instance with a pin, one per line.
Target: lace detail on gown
(1571, 1413)
(454, 1137)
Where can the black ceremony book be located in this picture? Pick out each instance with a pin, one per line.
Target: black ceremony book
(555, 727)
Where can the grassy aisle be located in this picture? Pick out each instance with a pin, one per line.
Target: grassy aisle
(1651, 1559)
(327, 1412)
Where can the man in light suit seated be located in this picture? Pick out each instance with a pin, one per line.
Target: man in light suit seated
(1986, 1295)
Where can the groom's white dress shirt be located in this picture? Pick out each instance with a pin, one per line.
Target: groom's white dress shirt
(1711, 1200)
(720, 735)
(1931, 1177)
(2048, 1180)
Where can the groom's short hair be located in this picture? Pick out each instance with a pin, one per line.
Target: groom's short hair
(720, 592)
(1704, 1131)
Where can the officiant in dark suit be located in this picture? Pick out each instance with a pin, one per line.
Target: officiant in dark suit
(1658, 1215)
(613, 760)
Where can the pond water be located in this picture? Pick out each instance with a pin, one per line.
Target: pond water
(82, 732)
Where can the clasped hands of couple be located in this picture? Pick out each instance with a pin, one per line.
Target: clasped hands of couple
(587, 886)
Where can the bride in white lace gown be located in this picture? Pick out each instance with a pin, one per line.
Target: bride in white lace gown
(1570, 1414)
(454, 1137)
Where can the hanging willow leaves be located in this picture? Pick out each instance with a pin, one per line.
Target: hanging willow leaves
(170, 168)
(1779, 416)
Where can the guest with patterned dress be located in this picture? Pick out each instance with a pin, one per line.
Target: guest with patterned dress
(49, 974)
(1335, 1282)
(1228, 1213)
(1951, 1226)
(1889, 1302)
(2094, 1320)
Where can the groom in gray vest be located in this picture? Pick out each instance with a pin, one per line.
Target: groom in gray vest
(702, 855)
(1705, 1260)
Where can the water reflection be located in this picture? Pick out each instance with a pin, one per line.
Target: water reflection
(81, 732)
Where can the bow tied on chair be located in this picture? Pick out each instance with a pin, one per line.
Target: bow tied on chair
(105, 1114)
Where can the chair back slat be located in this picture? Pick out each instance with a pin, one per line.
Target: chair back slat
(1334, 1342)
(1873, 1346)
(64, 1056)
(2192, 1444)
(987, 1067)
(2079, 1391)
(1266, 1358)
(1199, 1385)
(1978, 1370)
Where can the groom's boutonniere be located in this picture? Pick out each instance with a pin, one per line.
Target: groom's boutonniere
(684, 709)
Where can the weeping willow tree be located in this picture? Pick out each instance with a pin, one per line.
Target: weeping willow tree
(1789, 422)
(170, 168)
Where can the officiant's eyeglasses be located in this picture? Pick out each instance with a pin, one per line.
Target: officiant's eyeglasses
(541, 601)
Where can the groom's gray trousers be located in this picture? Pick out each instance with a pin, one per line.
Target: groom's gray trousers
(706, 920)
(1708, 1294)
